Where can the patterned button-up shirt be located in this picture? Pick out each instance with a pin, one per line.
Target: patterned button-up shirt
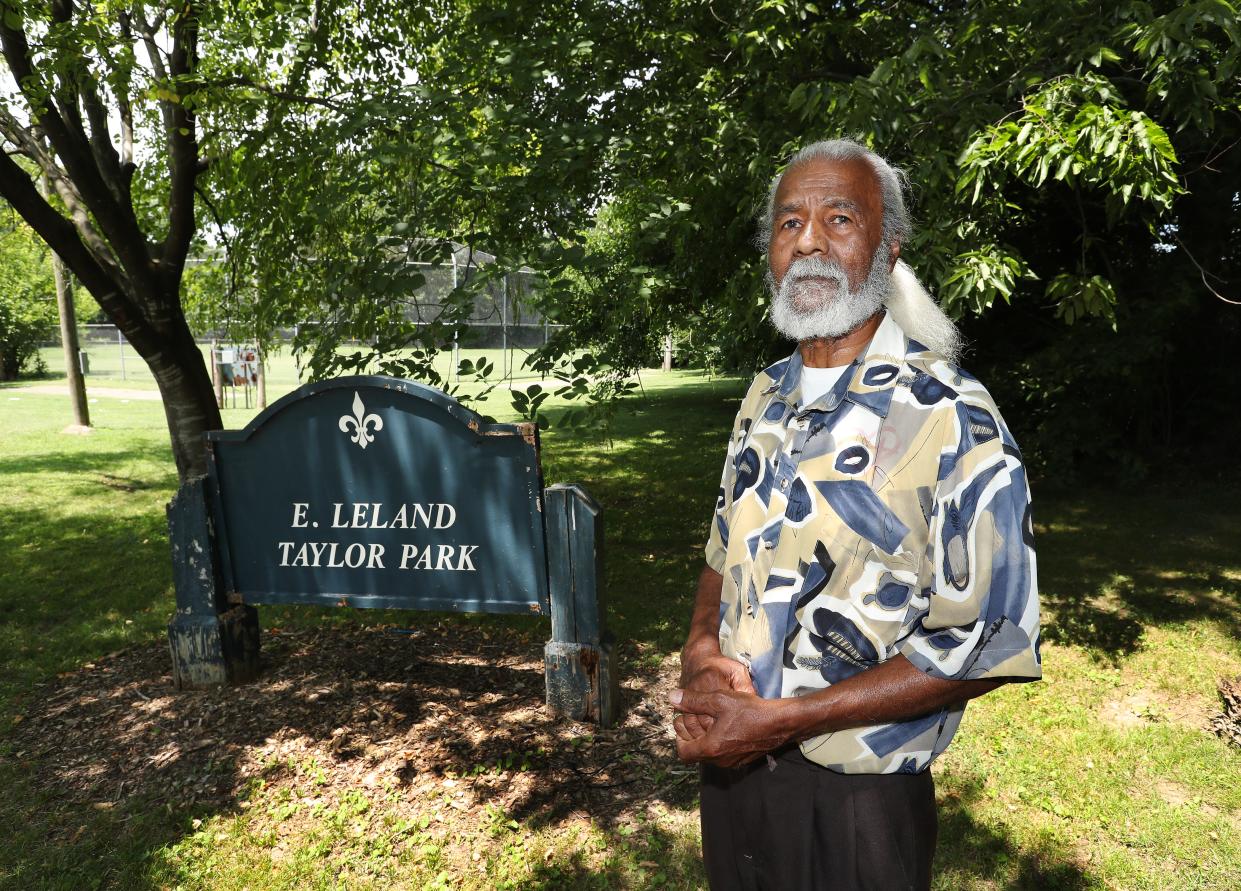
(891, 516)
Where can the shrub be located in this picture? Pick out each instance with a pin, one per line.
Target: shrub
(27, 301)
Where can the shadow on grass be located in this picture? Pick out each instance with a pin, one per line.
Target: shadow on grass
(969, 849)
(76, 587)
(1112, 565)
(657, 487)
(672, 864)
(89, 469)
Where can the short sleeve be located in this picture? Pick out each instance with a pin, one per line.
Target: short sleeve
(981, 619)
(717, 540)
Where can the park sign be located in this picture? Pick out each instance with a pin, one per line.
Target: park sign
(375, 492)
(379, 492)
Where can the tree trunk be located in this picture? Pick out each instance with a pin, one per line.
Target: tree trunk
(189, 398)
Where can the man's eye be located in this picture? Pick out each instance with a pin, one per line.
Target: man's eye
(789, 224)
(840, 218)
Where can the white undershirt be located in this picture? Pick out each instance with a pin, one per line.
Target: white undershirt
(817, 381)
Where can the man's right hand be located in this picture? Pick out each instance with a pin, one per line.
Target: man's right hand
(705, 671)
(703, 668)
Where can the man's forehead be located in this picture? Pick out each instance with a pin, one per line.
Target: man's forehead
(851, 180)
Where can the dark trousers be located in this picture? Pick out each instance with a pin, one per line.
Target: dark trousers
(800, 826)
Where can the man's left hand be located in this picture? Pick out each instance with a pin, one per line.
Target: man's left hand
(743, 726)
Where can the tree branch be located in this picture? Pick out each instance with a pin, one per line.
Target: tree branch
(17, 188)
(116, 220)
(228, 245)
(296, 76)
(1202, 272)
(182, 149)
(32, 148)
(106, 157)
(126, 110)
(277, 92)
(148, 31)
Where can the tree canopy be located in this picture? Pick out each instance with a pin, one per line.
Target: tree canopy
(1074, 172)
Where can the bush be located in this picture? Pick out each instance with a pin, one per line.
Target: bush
(27, 302)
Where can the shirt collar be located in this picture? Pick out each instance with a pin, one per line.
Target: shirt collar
(871, 377)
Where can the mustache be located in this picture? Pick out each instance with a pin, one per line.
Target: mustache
(815, 267)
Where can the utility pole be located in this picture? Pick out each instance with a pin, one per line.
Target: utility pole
(261, 383)
(69, 339)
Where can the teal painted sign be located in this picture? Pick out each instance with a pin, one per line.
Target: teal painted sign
(378, 492)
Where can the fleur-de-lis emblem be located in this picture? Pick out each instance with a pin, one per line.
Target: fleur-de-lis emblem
(360, 421)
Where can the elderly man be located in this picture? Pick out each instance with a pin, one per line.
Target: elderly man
(870, 564)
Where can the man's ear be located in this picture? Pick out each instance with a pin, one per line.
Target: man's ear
(894, 254)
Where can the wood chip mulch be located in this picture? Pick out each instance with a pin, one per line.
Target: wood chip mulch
(449, 716)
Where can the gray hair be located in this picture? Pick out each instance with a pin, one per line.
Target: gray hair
(906, 300)
(897, 226)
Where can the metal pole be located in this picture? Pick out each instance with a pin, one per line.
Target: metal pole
(120, 344)
(506, 364)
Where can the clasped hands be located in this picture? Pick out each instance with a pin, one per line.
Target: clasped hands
(720, 718)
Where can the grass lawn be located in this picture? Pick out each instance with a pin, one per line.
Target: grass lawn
(1102, 776)
(119, 365)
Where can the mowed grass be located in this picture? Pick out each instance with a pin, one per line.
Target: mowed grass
(1101, 776)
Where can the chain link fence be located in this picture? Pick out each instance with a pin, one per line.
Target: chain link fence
(503, 326)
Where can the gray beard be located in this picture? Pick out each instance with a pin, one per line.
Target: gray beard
(814, 300)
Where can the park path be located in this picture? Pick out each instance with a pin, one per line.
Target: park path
(113, 392)
(153, 395)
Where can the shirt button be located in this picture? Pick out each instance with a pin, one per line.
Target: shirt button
(768, 543)
(784, 483)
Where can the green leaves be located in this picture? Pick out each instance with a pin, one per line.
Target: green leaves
(1078, 296)
(1077, 131)
(979, 278)
(527, 404)
(27, 299)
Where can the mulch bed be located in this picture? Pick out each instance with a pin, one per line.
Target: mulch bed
(451, 716)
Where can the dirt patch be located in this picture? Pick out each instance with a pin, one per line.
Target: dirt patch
(450, 716)
(1143, 707)
(1133, 710)
(1177, 795)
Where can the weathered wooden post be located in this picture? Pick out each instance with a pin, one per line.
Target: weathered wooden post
(212, 642)
(578, 662)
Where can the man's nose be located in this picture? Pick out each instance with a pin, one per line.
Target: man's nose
(811, 239)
